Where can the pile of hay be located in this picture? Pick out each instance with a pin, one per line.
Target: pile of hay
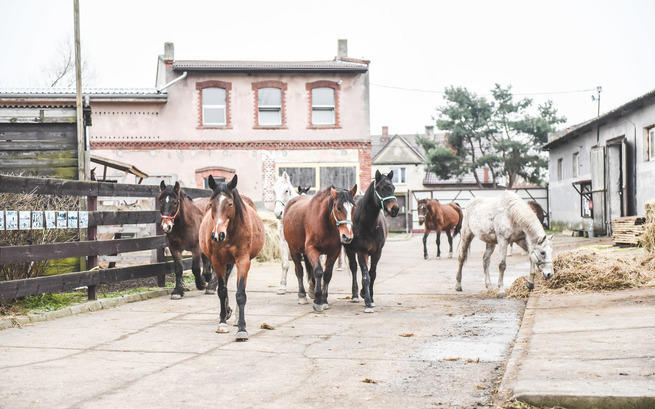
(648, 237)
(271, 249)
(586, 269)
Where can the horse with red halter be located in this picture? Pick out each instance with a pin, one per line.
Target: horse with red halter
(180, 220)
(318, 225)
(439, 218)
(370, 233)
(231, 233)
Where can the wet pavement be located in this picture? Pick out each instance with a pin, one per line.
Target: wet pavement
(425, 346)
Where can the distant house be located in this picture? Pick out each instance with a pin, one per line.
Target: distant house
(603, 168)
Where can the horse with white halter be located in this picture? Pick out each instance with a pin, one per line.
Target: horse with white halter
(284, 192)
(500, 221)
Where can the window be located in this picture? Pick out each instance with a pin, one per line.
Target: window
(651, 144)
(213, 106)
(576, 164)
(323, 106)
(559, 168)
(399, 175)
(269, 106)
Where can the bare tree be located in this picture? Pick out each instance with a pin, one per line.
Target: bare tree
(60, 71)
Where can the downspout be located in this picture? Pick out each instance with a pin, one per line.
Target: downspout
(180, 78)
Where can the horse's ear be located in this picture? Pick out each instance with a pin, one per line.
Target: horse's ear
(211, 182)
(233, 183)
(177, 187)
(541, 240)
(550, 237)
(353, 190)
(285, 175)
(390, 175)
(378, 175)
(333, 192)
(162, 186)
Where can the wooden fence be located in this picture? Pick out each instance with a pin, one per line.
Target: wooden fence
(90, 248)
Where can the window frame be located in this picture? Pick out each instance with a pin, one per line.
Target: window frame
(227, 86)
(575, 164)
(401, 172)
(310, 86)
(560, 169)
(651, 143)
(256, 86)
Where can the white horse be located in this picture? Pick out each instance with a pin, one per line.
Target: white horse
(500, 221)
(284, 192)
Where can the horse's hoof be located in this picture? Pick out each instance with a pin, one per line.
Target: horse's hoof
(354, 299)
(175, 296)
(281, 290)
(210, 291)
(458, 287)
(425, 257)
(369, 309)
(450, 255)
(242, 336)
(317, 307)
(326, 306)
(530, 286)
(302, 300)
(501, 294)
(372, 304)
(223, 328)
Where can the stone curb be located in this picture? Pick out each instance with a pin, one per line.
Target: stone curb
(90, 306)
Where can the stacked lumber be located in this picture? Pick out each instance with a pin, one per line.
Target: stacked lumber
(628, 230)
(648, 238)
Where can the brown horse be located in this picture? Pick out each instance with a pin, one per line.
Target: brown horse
(439, 218)
(539, 211)
(231, 233)
(180, 220)
(314, 226)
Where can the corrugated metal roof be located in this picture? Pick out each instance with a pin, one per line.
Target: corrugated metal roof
(109, 93)
(270, 66)
(466, 179)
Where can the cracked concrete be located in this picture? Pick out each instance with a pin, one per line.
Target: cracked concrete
(425, 345)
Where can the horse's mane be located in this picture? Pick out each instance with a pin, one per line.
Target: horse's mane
(342, 195)
(522, 215)
(238, 202)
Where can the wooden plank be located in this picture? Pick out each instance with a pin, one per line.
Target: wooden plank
(37, 115)
(55, 144)
(63, 282)
(60, 172)
(38, 252)
(36, 163)
(38, 154)
(108, 218)
(26, 132)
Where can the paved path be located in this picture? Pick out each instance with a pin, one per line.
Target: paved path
(586, 350)
(163, 353)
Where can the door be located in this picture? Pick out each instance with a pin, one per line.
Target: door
(598, 188)
(614, 182)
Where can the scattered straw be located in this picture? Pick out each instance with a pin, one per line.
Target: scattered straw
(271, 249)
(586, 269)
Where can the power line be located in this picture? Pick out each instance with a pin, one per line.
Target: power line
(432, 91)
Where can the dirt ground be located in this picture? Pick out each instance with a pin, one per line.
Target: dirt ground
(425, 345)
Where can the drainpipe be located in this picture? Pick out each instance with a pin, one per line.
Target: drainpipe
(180, 78)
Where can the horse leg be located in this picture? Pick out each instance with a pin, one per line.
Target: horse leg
(313, 257)
(362, 259)
(438, 243)
(196, 262)
(208, 273)
(284, 253)
(297, 263)
(243, 265)
(352, 263)
(502, 247)
(450, 243)
(340, 259)
(221, 281)
(178, 291)
(425, 247)
(486, 258)
(310, 277)
(327, 276)
(373, 272)
(466, 238)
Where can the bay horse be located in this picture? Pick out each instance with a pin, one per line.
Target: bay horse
(284, 192)
(315, 226)
(180, 221)
(437, 217)
(231, 233)
(370, 234)
(500, 221)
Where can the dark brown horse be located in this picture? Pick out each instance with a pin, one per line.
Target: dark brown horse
(370, 233)
(231, 233)
(180, 220)
(437, 217)
(318, 225)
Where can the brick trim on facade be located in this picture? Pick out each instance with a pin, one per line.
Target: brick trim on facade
(321, 84)
(228, 95)
(246, 145)
(269, 84)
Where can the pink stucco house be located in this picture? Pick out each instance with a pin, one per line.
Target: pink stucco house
(252, 118)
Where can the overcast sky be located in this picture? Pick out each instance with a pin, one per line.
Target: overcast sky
(537, 47)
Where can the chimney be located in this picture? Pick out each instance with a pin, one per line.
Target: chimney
(342, 49)
(429, 131)
(169, 52)
(385, 135)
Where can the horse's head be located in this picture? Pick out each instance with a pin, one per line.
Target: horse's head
(542, 255)
(384, 192)
(422, 210)
(341, 208)
(225, 206)
(169, 205)
(283, 193)
(303, 190)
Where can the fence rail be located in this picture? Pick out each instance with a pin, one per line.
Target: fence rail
(91, 248)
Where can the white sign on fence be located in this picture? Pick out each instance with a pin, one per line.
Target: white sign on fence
(11, 220)
(62, 219)
(50, 219)
(37, 220)
(24, 220)
(40, 219)
(72, 219)
(2, 219)
(84, 219)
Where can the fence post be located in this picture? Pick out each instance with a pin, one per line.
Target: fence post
(161, 277)
(92, 234)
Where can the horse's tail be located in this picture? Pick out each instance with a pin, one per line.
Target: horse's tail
(458, 227)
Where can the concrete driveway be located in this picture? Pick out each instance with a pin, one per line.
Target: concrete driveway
(425, 346)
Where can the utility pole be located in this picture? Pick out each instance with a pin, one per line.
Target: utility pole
(596, 97)
(81, 143)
